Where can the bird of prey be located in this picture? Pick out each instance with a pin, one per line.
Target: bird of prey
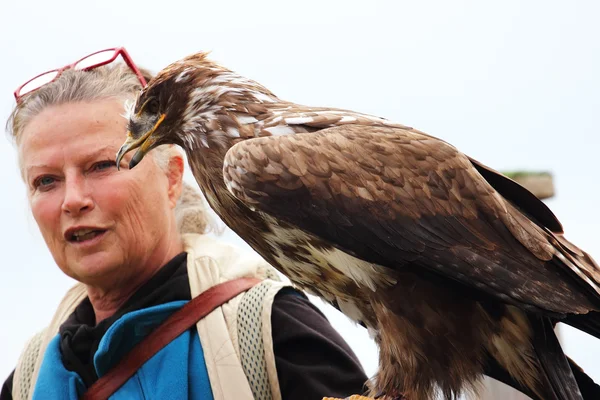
(456, 270)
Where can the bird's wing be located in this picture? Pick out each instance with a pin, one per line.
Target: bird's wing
(315, 118)
(399, 198)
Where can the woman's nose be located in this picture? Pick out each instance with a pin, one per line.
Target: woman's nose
(77, 198)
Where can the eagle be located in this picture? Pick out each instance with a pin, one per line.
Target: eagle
(456, 270)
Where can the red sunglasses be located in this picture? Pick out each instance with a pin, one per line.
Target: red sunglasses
(87, 63)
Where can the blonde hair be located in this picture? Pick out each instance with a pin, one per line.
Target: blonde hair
(111, 81)
(74, 86)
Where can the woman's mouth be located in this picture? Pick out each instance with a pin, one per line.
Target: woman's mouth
(84, 235)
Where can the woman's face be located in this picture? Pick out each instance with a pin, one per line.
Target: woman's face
(101, 225)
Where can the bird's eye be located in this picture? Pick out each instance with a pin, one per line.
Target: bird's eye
(152, 106)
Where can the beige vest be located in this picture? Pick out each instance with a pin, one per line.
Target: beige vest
(227, 334)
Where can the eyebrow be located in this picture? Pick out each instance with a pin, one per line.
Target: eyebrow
(88, 156)
(102, 150)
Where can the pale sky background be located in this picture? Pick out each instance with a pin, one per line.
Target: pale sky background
(514, 84)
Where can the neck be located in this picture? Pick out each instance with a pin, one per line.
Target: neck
(107, 299)
(107, 303)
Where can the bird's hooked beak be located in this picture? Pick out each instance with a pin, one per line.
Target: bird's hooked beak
(144, 142)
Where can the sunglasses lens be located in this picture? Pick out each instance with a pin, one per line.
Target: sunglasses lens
(38, 82)
(95, 59)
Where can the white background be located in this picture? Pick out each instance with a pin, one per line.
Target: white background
(514, 84)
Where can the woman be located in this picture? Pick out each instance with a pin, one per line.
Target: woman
(116, 233)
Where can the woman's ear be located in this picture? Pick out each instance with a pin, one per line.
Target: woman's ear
(175, 177)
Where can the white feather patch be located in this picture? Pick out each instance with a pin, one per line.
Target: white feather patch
(129, 106)
(246, 119)
(349, 308)
(183, 74)
(298, 120)
(233, 132)
(363, 273)
(279, 130)
(263, 97)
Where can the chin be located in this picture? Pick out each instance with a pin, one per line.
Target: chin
(92, 269)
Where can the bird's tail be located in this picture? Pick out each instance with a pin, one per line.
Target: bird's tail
(557, 381)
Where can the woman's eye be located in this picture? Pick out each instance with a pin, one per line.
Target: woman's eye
(43, 181)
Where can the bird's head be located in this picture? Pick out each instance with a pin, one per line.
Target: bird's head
(188, 103)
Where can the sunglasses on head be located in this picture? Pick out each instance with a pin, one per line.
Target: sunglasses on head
(86, 63)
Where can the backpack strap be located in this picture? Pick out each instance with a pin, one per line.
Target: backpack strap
(250, 339)
(24, 370)
(255, 339)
